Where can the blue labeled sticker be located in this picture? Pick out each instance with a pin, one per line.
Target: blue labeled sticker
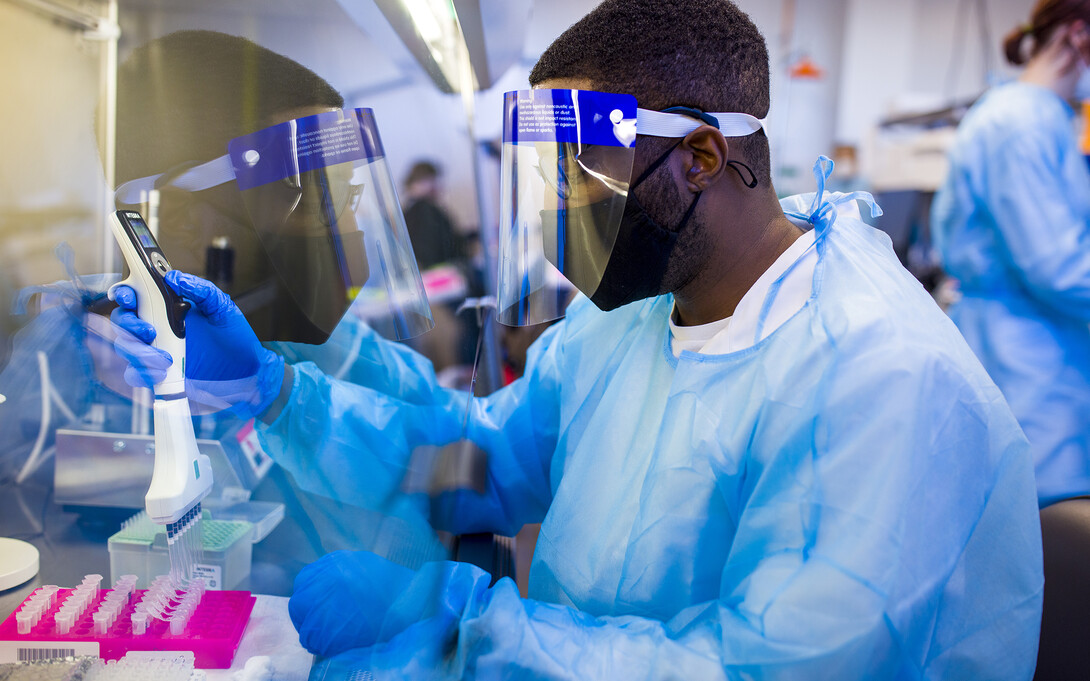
(303, 145)
(583, 116)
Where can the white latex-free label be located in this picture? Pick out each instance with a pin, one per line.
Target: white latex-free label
(184, 657)
(211, 574)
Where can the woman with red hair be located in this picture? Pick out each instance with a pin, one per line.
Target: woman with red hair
(1013, 225)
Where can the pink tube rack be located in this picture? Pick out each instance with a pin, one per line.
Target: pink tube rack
(212, 633)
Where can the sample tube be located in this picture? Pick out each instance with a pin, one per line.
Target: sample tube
(64, 620)
(139, 622)
(101, 620)
(177, 623)
(24, 620)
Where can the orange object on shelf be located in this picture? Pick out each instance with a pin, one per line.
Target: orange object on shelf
(805, 68)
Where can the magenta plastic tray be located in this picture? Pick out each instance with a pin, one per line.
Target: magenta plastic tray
(212, 633)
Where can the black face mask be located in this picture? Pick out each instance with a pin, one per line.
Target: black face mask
(640, 256)
(633, 266)
(628, 269)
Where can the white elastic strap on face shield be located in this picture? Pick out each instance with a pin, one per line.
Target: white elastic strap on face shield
(204, 176)
(662, 124)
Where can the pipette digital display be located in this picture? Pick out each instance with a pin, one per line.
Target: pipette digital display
(159, 306)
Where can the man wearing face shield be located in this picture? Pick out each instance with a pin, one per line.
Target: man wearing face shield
(1012, 223)
(756, 447)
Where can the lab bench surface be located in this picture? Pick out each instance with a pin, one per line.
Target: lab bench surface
(70, 545)
(269, 639)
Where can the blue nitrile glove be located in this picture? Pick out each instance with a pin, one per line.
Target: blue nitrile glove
(341, 600)
(226, 365)
(356, 599)
(401, 618)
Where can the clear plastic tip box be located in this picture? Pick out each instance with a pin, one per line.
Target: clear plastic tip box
(94, 623)
(140, 548)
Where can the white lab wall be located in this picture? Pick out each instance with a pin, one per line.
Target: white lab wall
(48, 123)
(803, 115)
(901, 55)
(51, 186)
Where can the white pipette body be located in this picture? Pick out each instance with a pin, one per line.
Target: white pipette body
(182, 476)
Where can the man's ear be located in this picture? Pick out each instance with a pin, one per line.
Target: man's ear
(705, 157)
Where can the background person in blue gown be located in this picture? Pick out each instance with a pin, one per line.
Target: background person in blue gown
(1012, 223)
(778, 460)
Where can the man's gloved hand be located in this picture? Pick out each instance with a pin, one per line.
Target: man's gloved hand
(341, 600)
(356, 599)
(226, 365)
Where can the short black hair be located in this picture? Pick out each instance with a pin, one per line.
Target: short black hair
(183, 96)
(705, 54)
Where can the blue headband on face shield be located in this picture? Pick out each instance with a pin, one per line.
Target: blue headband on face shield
(567, 179)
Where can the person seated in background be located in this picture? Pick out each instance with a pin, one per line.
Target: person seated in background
(448, 276)
(435, 239)
(756, 446)
(1012, 224)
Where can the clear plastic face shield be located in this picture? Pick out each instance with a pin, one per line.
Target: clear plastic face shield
(566, 173)
(321, 201)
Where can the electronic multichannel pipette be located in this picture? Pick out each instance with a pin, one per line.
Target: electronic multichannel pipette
(182, 476)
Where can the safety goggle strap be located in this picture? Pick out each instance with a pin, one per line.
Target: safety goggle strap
(205, 176)
(662, 124)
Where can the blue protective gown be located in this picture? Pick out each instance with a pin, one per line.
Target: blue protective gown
(315, 524)
(850, 498)
(1012, 223)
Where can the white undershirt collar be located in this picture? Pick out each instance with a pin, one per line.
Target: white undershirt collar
(740, 331)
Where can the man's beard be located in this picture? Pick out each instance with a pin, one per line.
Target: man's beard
(665, 203)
